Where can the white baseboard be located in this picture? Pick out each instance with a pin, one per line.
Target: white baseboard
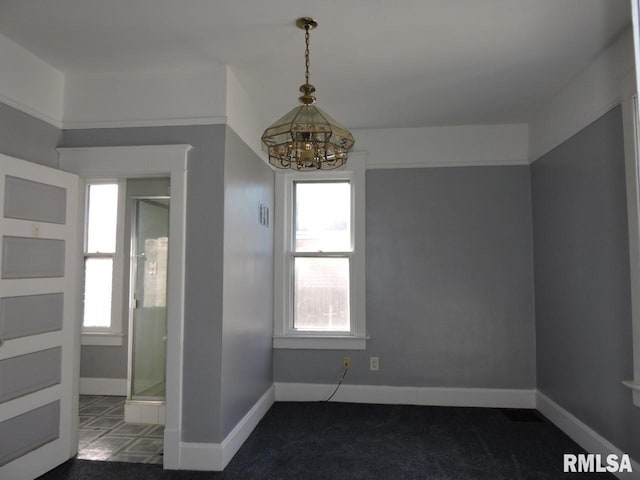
(216, 456)
(580, 433)
(103, 386)
(171, 451)
(447, 397)
(201, 456)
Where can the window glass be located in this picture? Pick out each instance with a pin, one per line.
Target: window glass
(322, 216)
(102, 218)
(97, 291)
(321, 294)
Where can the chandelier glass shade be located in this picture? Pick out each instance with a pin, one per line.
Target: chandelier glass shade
(307, 138)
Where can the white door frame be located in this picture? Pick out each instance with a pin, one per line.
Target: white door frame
(151, 161)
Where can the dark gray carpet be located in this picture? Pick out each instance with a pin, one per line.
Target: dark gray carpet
(353, 441)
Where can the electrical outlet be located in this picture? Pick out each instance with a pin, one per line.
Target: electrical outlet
(346, 363)
(374, 363)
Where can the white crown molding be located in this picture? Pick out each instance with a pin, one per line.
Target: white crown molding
(172, 96)
(582, 434)
(31, 85)
(425, 396)
(216, 456)
(591, 94)
(436, 164)
(461, 145)
(55, 122)
(103, 386)
(150, 122)
(89, 124)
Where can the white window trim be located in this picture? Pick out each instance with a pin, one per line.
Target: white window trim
(283, 335)
(112, 335)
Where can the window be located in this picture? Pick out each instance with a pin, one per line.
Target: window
(102, 302)
(322, 256)
(319, 287)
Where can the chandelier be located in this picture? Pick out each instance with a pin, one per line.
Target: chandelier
(307, 138)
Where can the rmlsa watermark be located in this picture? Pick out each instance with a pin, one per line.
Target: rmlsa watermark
(590, 462)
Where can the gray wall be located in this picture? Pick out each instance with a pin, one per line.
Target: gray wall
(247, 371)
(105, 362)
(449, 283)
(111, 362)
(204, 250)
(583, 303)
(28, 138)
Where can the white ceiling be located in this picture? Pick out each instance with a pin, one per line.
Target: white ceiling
(375, 63)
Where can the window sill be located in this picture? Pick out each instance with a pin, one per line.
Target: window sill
(320, 342)
(102, 339)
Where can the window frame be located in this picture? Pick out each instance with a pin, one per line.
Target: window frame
(112, 335)
(285, 336)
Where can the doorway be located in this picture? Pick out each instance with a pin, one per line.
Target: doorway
(145, 162)
(129, 425)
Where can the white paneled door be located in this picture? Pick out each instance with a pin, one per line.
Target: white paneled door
(39, 335)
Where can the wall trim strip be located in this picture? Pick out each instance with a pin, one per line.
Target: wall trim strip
(385, 394)
(33, 112)
(582, 434)
(150, 122)
(216, 456)
(496, 163)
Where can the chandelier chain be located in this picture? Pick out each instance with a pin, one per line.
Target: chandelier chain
(306, 53)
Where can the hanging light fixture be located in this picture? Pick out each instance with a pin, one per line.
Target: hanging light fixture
(307, 138)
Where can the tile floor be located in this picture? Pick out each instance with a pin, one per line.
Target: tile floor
(105, 436)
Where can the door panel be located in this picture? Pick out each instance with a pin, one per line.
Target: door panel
(28, 200)
(27, 432)
(39, 334)
(29, 373)
(26, 257)
(30, 315)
